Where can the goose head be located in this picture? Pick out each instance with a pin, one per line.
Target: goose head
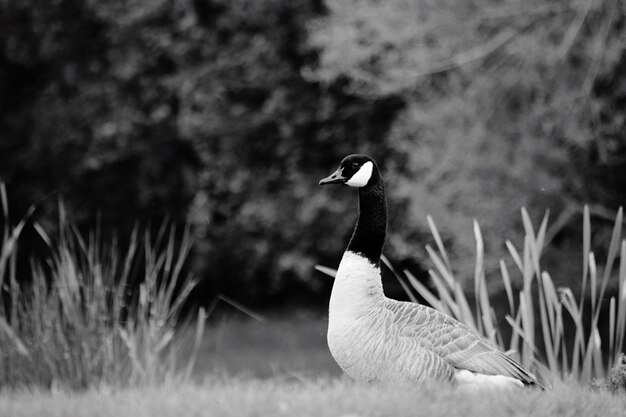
(360, 171)
(355, 170)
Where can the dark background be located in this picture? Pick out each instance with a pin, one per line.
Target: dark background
(226, 113)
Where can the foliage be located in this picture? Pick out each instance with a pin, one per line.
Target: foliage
(508, 104)
(86, 114)
(144, 109)
(80, 323)
(312, 397)
(540, 306)
(227, 112)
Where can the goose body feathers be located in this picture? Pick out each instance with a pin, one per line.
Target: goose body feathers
(377, 339)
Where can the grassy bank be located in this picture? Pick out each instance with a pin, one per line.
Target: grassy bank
(282, 367)
(282, 345)
(323, 397)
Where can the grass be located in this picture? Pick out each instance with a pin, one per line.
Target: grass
(243, 348)
(281, 346)
(540, 305)
(77, 342)
(95, 311)
(311, 397)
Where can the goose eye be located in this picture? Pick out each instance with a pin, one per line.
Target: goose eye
(355, 165)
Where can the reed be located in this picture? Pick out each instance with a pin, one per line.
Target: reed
(96, 311)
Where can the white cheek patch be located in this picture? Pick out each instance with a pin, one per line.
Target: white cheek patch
(362, 176)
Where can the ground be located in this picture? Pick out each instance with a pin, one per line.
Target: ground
(336, 397)
(281, 367)
(283, 345)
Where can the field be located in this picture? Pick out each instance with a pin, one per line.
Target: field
(281, 367)
(292, 344)
(313, 397)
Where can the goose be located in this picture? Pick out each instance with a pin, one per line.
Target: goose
(377, 339)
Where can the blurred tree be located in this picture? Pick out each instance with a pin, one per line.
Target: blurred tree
(509, 104)
(229, 112)
(263, 132)
(140, 109)
(86, 115)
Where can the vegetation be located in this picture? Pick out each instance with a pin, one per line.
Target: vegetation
(196, 109)
(226, 113)
(284, 345)
(540, 305)
(337, 397)
(95, 312)
(220, 115)
(507, 105)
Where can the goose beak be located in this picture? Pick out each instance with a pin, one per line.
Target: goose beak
(335, 178)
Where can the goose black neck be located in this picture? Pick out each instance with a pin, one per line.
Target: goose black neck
(369, 234)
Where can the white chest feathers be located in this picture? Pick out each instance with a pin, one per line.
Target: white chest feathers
(354, 309)
(363, 335)
(357, 287)
(373, 338)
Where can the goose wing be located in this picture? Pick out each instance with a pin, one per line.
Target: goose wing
(454, 342)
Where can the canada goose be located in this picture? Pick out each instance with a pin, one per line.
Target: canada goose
(375, 338)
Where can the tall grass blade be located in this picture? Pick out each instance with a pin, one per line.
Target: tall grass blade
(197, 342)
(515, 336)
(8, 255)
(464, 308)
(445, 296)
(541, 234)
(515, 255)
(579, 349)
(528, 226)
(616, 237)
(331, 272)
(621, 304)
(130, 259)
(5, 205)
(565, 363)
(522, 333)
(14, 338)
(426, 294)
(479, 278)
(445, 273)
(614, 248)
(242, 308)
(42, 233)
(403, 284)
(599, 370)
(612, 348)
(506, 279)
(528, 271)
(438, 241)
(593, 281)
(586, 253)
(555, 317)
(526, 303)
(496, 335)
(533, 243)
(561, 341)
(528, 326)
(552, 301)
(548, 341)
